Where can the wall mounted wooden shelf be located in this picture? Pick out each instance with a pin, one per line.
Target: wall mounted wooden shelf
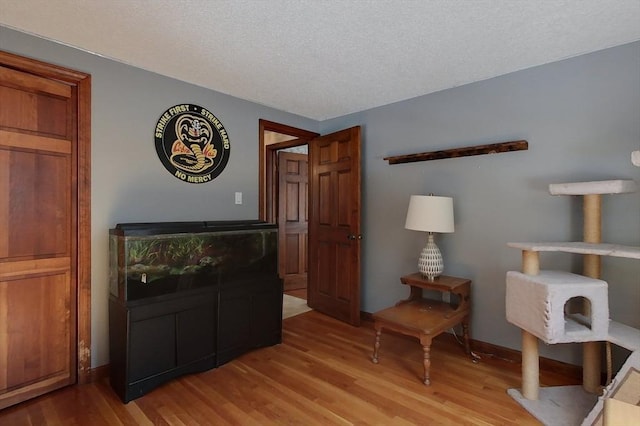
(493, 148)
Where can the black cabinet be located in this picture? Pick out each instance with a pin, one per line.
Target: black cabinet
(188, 297)
(154, 342)
(249, 316)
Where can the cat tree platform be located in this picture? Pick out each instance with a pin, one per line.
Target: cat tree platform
(600, 249)
(593, 188)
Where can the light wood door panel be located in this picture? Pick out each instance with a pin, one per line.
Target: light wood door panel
(36, 343)
(38, 234)
(37, 204)
(334, 225)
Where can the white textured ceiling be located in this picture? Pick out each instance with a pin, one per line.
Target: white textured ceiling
(326, 58)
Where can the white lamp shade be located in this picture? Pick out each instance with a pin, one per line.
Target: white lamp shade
(430, 214)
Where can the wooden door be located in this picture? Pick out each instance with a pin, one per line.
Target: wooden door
(39, 238)
(334, 225)
(292, 219)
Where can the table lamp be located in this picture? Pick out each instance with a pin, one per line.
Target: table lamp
(430, 214)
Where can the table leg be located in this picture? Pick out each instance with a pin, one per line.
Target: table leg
(465, 335)
(376, 346)
(467, 341)
(426, 361)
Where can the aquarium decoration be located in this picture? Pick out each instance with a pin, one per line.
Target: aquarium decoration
(192, 143)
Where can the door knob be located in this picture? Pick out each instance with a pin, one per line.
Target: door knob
(354, 237)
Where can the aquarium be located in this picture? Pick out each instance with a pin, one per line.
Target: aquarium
(153, 259)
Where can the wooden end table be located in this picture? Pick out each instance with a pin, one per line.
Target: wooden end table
(425, 318)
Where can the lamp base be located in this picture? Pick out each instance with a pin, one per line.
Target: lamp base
(430, 262)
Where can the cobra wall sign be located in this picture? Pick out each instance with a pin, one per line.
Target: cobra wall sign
(192, 143)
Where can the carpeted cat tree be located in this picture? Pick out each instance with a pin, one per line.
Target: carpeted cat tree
(541, 303)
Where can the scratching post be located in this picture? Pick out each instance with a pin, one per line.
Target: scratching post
(530, 366)
(530, 356)
(592, 233)
(530, 262)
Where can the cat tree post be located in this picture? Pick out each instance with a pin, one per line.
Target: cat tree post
(592, 233)
(530, 355)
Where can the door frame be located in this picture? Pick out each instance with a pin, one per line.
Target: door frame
(267, 162)
(81, 84)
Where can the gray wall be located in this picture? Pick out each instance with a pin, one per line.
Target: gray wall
(129, 184)
(581, 118)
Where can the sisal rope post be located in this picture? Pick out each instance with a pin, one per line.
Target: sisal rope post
(530, 356)
(592, 233)
(530, 366)
(530, 262)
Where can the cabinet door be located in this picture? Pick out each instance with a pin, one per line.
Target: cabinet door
(152, 347)
(196, 333)
(266, 310)
(234, 324)
(249, 316)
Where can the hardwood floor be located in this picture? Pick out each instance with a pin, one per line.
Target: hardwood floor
(321, 374)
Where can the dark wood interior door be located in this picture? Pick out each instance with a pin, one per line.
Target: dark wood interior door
(334, 225)
(292, 219)
(38, 235)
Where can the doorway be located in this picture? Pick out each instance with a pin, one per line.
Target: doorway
(283, 198)
(333, 207)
